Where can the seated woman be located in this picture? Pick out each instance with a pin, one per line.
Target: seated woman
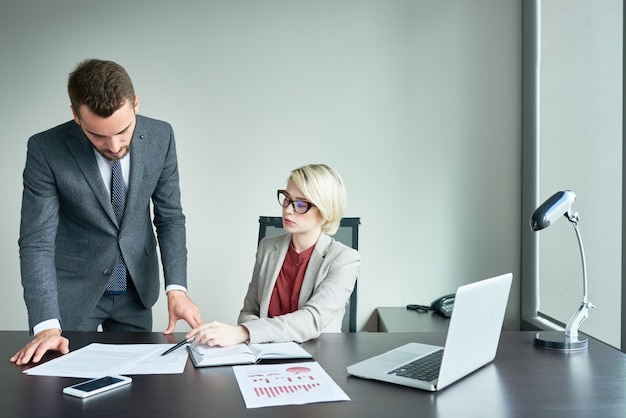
(302, 280)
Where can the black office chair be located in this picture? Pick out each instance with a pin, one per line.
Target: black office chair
(348, 234)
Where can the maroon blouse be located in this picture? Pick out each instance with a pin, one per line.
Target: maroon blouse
(289, 282)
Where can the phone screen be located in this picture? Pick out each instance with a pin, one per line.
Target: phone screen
(97, 384)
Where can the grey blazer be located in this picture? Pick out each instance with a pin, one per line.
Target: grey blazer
(69, 237)
(328, 282)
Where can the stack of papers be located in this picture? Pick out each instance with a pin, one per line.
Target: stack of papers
(96, 360)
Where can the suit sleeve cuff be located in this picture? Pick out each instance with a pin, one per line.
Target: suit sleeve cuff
(175, 287)
(48, 324)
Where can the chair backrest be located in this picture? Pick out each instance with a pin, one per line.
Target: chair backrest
(348, 234)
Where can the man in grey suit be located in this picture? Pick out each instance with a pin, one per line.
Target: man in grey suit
(83, 263)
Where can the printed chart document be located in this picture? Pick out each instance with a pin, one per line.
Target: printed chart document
(286, 384)
(96, 360)
(204, 356)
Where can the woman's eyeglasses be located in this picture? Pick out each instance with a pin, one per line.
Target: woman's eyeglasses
(299, 206)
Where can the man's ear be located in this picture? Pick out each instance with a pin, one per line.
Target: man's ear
(136, 104)
(76, 118)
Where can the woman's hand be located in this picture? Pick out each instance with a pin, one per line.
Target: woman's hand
(217, 333)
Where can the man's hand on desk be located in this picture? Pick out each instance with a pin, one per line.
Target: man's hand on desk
(49, 339)
(180, 306)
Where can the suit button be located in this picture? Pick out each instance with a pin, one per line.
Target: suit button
(107, 272)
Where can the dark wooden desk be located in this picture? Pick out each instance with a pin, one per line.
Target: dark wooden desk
(401, 319)
(523, 381)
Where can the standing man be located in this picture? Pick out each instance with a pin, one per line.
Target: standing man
(87, 247)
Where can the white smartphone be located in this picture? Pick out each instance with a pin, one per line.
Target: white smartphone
(95, 386)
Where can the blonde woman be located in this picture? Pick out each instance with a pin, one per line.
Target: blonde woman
(302, 280)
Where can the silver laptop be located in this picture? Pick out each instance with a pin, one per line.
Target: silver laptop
(472, 341)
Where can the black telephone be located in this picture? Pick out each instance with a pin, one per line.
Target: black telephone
(444, 305)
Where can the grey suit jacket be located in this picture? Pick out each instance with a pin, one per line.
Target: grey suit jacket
(328, 282)
(69, 237)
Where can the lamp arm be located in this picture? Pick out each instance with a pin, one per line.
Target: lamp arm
(582, 313)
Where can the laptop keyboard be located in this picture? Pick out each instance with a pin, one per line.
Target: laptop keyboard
(424, 368)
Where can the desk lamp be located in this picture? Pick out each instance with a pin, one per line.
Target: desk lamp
(545, 215)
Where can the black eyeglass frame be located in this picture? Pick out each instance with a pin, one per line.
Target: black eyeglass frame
(283, 197)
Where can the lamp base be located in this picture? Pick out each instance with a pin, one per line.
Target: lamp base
(556, 340)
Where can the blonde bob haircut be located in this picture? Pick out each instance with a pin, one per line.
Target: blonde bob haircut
(323, 187)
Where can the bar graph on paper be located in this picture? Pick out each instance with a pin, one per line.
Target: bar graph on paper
(295, 380)
(286, 384)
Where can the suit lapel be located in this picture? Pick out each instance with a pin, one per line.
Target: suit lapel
(83, 153)
(315, 263)
(138, 161)
(276, 257)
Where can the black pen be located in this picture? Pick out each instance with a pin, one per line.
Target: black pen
(180, 344)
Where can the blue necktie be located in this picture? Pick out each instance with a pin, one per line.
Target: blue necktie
(117, 282)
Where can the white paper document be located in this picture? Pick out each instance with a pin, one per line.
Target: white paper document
(286, 384)
(96, 360)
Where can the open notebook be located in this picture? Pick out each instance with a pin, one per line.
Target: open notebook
(471, 342)
(204, 356)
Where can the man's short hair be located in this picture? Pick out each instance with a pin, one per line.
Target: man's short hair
(102, 86)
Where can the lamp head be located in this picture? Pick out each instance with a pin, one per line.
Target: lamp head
(551, 210)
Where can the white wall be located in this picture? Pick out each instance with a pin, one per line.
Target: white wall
(415, 103)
